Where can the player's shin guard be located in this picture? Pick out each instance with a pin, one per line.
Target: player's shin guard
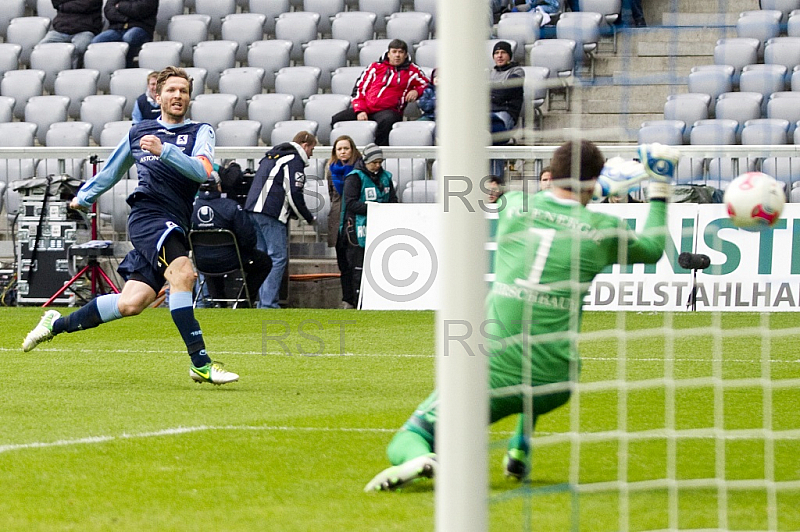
(100, 310)
(180, 307)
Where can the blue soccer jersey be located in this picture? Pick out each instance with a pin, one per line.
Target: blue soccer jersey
(170, 180)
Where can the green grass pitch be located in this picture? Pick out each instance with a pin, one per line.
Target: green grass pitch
(104, 430)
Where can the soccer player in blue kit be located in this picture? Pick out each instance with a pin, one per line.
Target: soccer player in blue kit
(174, 157)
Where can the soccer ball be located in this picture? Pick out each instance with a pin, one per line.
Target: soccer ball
(754, 201)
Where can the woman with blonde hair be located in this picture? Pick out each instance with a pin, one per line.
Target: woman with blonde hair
(343, 157)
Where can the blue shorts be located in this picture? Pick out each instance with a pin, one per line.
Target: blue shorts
(157, 240)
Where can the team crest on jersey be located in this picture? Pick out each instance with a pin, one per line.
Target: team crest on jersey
(370, 194)
(182, 140)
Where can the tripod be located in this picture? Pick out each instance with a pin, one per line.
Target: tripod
(91, 250)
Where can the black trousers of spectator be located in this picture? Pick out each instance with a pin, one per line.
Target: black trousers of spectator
(385, 119)
(355, 261)
(256, 268)
(346, 271)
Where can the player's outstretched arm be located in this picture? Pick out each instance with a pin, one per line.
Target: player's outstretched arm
(118, 164)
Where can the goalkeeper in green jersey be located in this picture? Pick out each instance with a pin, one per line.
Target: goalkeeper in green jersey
(549, 249)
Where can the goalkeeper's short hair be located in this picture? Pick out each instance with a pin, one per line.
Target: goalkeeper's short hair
(591, 162)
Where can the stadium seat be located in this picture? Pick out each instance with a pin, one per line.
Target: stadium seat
(65, 134)
(286, 130)
(131, 83)
(716, 132)
(272, 9)
(320, 108)
(77, 84)
(9, 10)
(522, 28)
(245, 29)
(381, 8)
(6, 109)
(343, 80)
(764, 79)
(215, 56)
(784, 6)
(404, 170)
(765, 131)
(105, 57)
(217, 10)
(427, 6)
(736, 52)
(299, 27)
(44, 8)
(783, 51)
(46, 110)
(535, 94)
(16, 135)
(793, 24)
(113, 132)
(272, 56)
(238, 133)
(327, 55)
(27, 32)
(372, 50)
(710, 79)
(166, 10)
(361, 131)
(213, 108)
(52, 58)
(611, 11)
(420, 192)
(190, 30)
(739, 106)
(761, 24)
(412, 27)
(299, 81)
(356, 27)
(425, 54)
(687, 108)
(557, 55)
(198, 76)
(583, 27)
(158, 55)
(9, 57)
(327, 9)
(786, 105)
(269, 109)
(97, 109)
(244, 82)
(413, 133)
(669, 132)
(21, 85)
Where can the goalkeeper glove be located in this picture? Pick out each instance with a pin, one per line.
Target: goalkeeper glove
(618, 176)
(660, 162)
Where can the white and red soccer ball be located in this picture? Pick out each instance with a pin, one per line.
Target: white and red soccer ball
(754, 201)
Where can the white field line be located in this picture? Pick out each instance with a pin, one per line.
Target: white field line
(754, 360)
(543, 437)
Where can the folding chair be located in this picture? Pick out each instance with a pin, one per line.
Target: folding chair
(206, 240)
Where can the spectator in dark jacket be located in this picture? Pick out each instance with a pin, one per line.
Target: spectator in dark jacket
(212, 211)
(507, 95)
(427, 102)
(146, 106)
(76, 22)
(275, 196)
(384, 89)
(130, 21)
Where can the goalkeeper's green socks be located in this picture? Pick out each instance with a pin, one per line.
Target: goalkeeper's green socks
(407, 445)
(518, 440)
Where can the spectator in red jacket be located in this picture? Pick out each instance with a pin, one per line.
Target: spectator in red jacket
(384, 89)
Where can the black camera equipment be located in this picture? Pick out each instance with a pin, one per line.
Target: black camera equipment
(694, 262)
